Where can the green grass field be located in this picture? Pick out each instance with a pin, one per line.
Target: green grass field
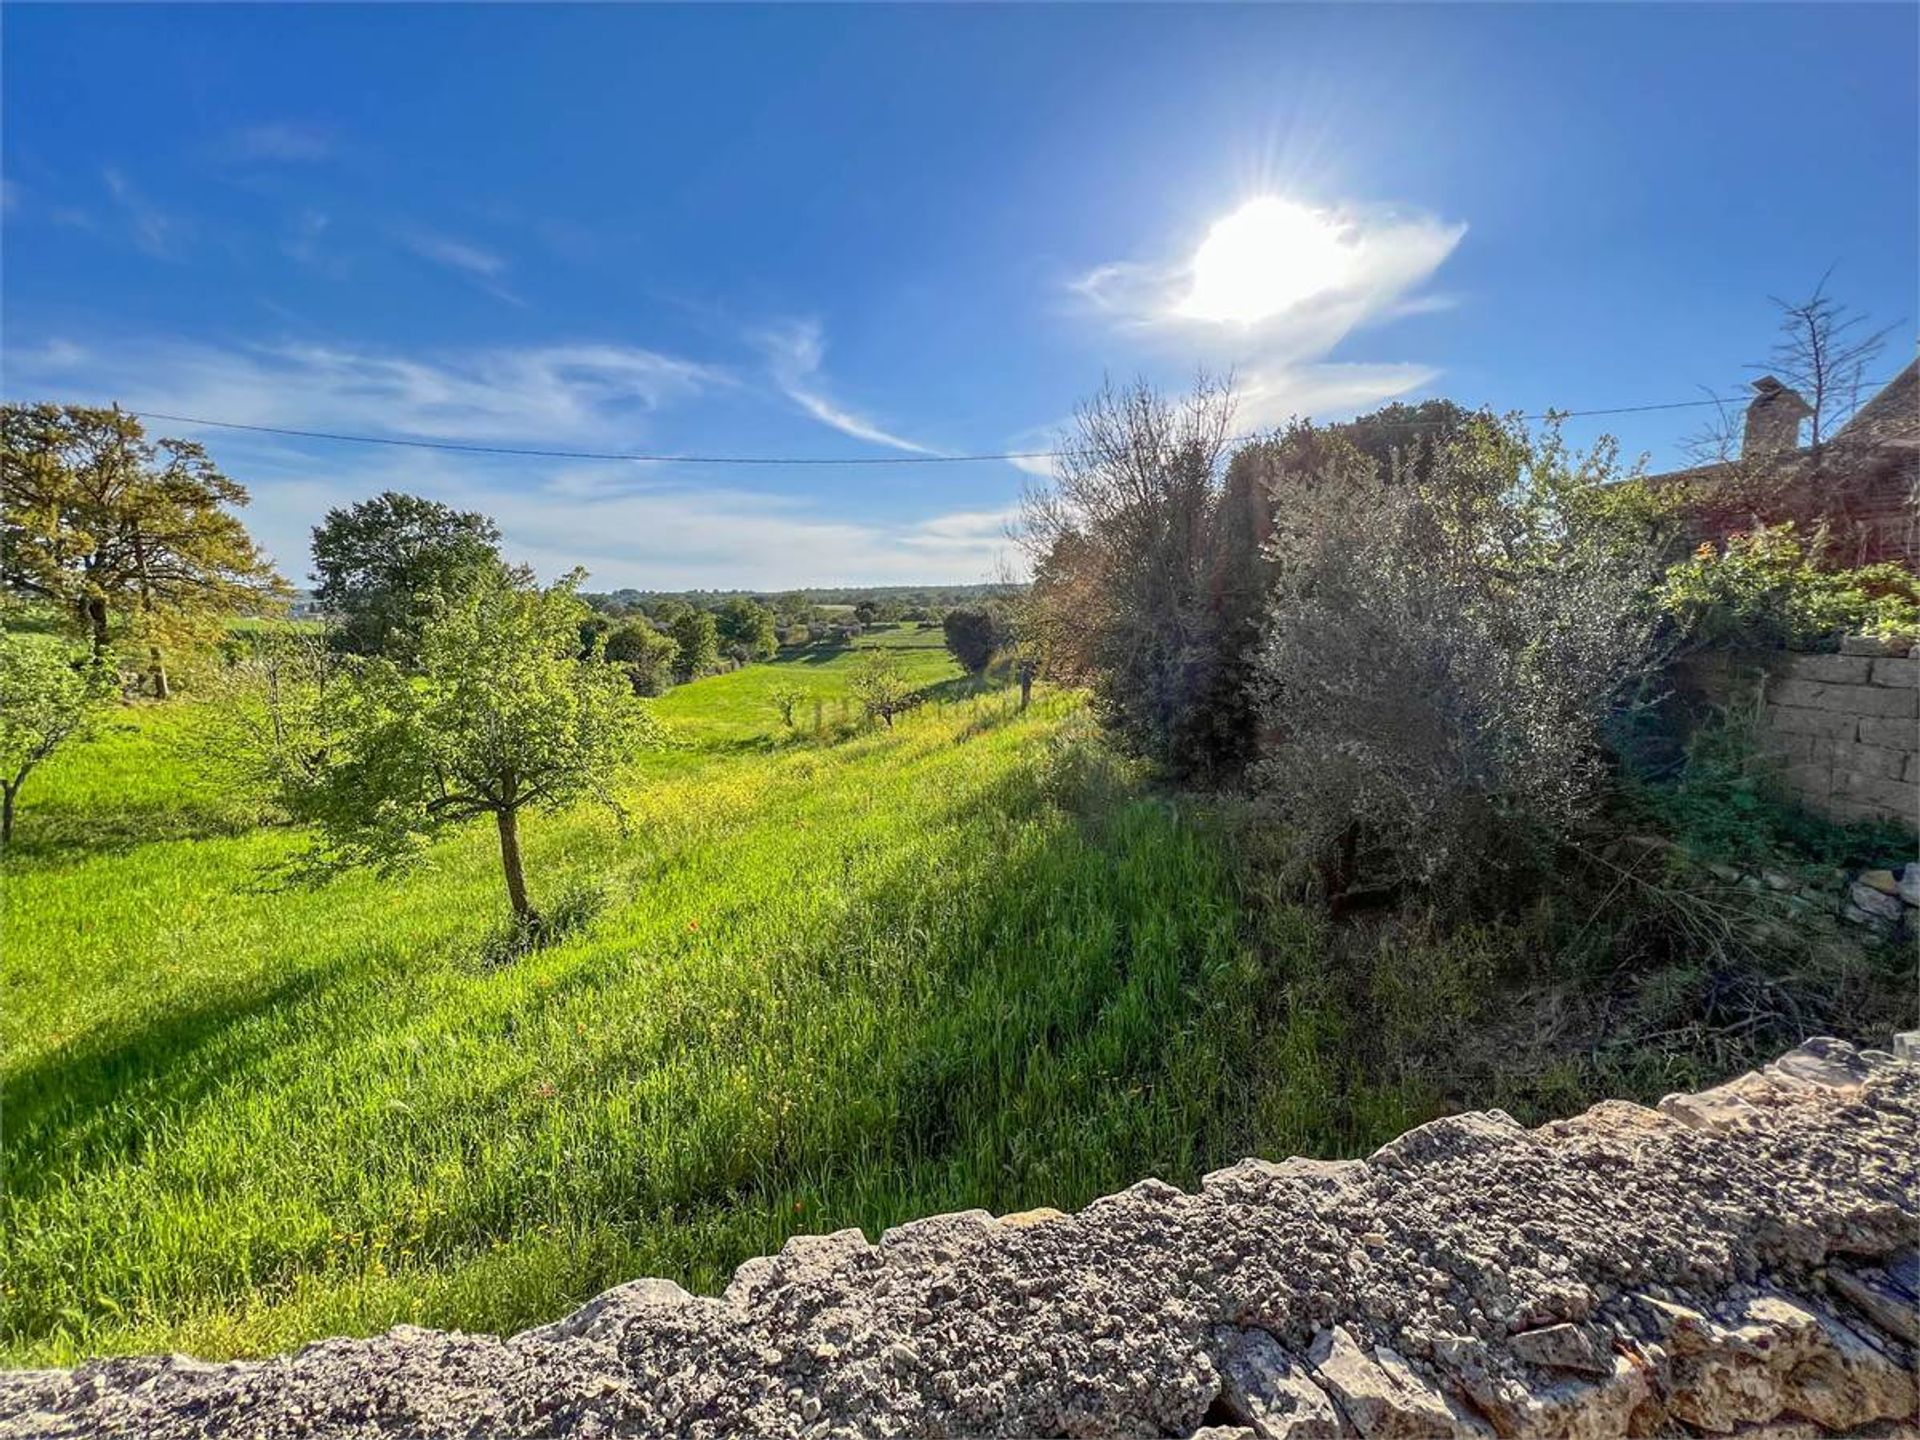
(834, 980)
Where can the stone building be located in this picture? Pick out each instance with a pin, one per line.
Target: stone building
(1863, 484)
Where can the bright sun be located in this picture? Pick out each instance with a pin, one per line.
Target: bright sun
(1265, 257)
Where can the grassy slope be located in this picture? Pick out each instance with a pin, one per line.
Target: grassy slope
(953, 964)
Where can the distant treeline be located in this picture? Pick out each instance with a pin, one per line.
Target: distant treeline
(896, 597)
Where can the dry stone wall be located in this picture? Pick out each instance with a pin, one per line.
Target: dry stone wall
(1847, 730)
(1731, 1260)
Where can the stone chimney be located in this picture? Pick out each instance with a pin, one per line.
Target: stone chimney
(1773, 419)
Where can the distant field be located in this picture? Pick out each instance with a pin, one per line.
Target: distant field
(833, 981)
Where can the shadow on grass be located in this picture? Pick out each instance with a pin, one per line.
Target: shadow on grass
(61, 836)
(99, 1098)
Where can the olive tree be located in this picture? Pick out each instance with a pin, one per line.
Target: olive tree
(46, 699)
(497, 716)
(1444, 648)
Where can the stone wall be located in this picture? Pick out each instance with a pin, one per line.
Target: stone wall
(1845, 728)
(1737, 1261)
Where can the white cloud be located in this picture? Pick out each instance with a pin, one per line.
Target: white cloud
(576, 395)
(276, 141)
(475, 263)
(1271, 293)
(794, 353)
(152, 229)
(641, 524)
(629, 525)
(455, 254)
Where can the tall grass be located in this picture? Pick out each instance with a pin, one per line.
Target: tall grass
(829, 984)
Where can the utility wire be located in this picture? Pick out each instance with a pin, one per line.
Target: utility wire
(531, 453)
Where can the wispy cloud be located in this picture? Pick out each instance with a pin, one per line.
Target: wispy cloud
(1290, 288)
(277, 142)
(475, 263)
(794, 353)
(572, 395)
(152, 229)
(640, 524)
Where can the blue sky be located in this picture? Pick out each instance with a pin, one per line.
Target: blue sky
(871, 232)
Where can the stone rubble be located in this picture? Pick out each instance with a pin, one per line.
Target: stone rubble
(1738, 1261)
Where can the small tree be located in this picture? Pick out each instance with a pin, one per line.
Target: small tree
(379, 562)
(881, 687)
(105, 523)
(46, 699)
(975, 636)
(785, 699)
(698, 642)
(645, 654)
(500, 717)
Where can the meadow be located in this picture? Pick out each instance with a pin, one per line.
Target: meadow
(827, 980)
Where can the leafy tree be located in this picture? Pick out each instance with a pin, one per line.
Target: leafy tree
(379, 562)
(866, 612)
(746, 629)
(104, 522)
(975, 636)
(499, 717)
(46, 699)
(881, 687)
(645, 654)
(697, 639)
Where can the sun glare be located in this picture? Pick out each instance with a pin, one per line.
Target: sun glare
(1266, 257)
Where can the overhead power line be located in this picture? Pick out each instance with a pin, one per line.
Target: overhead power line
(531, 452)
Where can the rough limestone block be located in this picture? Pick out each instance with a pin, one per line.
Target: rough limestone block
(1829, 669)
(1877, 760)
(1564, 1347)
(1846, 699)
(604, 1316)
(1803, 720)
(1897, 674)
(1384, 1396)
(1824, 1061)
(1528, 1408)
(1891, 731)
(1772, 1356)
(1466, 1134)
(1264, 1387)
(1909, 888)
(1900, 800)
(1871, 645)
(1875, 1295)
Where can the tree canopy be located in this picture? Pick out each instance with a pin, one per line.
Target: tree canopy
(109, 525)
(378, 563)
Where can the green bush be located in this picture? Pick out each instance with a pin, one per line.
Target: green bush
(1763, 589)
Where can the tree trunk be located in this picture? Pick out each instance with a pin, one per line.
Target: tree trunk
(161, 689)
(509, 823)
(1026, 687)
(93, 610)
(7, 792)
